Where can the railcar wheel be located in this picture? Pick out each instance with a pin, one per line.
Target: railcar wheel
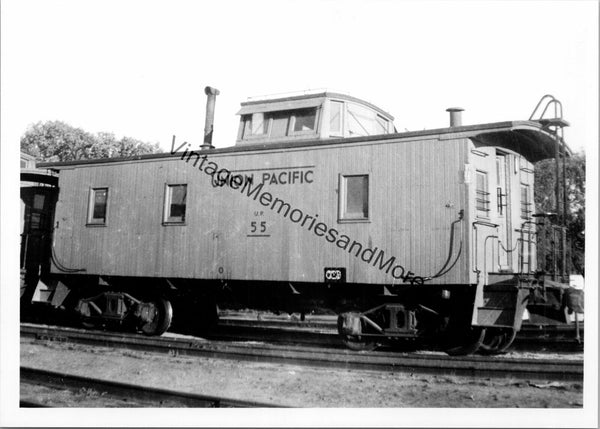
(354, 341)
(464, 342)
(158, 316)
(497, 341)
(84, 315)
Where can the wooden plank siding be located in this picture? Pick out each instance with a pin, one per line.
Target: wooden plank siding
(416, 191)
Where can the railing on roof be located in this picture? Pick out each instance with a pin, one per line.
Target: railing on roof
(312, 91)
(287, 94)
(550, 101)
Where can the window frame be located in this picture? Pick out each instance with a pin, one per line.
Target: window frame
(525, 206)
(367, 119)
(272, 118)
(90, 220)
(352, 113)
(342, 104)
(291, 123)
(266, 121)
(166, 221)
(343, 201)
(483, 211)
(247, 136)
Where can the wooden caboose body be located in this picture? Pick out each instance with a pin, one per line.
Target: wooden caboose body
(304, 203)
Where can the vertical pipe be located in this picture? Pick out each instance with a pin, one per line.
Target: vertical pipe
(24, 264)
(210, 116)
(498, 253)
(557, 179)
(554, 253)
(521, 257)
(563, 239)
(529, 238)
(557, 198)
(565, 265)
(541, 247)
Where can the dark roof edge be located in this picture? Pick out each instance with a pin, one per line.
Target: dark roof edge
(460, 131)
(39, 176)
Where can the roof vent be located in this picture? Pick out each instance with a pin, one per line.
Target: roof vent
(210, 117)
(455, 116)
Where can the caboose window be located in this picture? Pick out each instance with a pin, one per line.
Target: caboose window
(335, 118)
(525, 203)
(259, 124)
(175, 203)
(354, 197)
(279, 124)
(97, 206)
(482, 197)
(255, 125)
(304, 120)
(365, 122)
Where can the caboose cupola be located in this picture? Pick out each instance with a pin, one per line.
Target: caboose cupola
(310, 116)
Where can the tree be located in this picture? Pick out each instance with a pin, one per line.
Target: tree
(130, 147)
(58, 141)
(545, 202)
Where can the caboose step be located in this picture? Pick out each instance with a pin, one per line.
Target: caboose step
(503, 278)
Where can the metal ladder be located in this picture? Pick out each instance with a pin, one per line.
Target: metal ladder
(555, 126)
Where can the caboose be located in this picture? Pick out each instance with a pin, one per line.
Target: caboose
(320, 203)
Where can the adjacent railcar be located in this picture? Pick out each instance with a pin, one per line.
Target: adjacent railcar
(321, 202)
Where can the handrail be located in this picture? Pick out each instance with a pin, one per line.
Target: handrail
(556, 126)
(552, 101)
(475, 244)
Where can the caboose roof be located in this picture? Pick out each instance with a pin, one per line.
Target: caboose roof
(39, 176)
(529, 138)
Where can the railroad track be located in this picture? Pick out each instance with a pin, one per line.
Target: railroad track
(122, 393)
(428, 363)
(324, 332)
(321, 330)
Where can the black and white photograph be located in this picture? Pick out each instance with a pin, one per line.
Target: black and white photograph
(299, 213)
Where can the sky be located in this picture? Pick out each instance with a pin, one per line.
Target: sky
(138, 68)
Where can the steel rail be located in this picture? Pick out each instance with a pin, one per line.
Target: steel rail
(131, 392)
(475, 366)
(327, 323)
(527, 330)
(529, 338)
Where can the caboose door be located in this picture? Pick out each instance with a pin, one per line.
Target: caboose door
(37, 208)
(503, 212)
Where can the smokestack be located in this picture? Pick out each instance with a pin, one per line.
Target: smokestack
(455, 116)
(210, 116)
